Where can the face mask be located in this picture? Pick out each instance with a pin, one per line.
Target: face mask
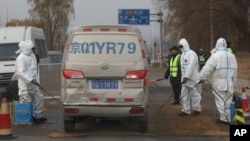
(182, 50)
(26, 51)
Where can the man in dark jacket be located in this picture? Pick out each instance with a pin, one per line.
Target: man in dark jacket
(174, 73)
(202, 58)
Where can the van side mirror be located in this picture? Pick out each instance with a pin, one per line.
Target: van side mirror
(37, 58)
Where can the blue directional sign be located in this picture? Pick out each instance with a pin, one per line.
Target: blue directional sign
(134, 16)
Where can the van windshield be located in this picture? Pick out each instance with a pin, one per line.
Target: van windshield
(104, 47)
(53, 58)
(7, 51)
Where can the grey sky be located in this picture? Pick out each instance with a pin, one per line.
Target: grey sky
(87, 12)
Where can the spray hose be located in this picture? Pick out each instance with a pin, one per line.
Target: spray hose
(195, 86)
(47, 92)
(224, 101)
(160, 79)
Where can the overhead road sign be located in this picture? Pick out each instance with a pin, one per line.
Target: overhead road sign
(134, 16)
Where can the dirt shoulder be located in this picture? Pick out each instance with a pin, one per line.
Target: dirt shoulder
(243, 60)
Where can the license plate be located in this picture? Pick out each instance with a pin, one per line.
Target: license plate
(104, 84)
(2, 89)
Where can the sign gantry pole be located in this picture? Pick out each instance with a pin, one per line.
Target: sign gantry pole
(141, 17)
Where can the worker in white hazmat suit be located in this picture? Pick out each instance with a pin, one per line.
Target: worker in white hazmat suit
(190, 95)
(26, 72)
(223, 66)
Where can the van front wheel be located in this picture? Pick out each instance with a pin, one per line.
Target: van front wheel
(69, 125)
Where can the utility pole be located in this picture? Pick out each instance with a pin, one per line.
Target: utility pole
(7, 16)
(154, 51)
(160, 20)
(211, 25)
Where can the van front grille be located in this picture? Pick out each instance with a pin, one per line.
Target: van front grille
(6, 76)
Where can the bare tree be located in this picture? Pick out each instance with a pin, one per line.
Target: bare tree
(55, 16)
(191, 19)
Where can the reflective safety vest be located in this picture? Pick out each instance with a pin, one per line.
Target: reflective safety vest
(174, 65)
(230, 50)
(202, 58)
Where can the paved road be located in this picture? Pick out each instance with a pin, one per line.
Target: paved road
(164, 124)
(121, 138)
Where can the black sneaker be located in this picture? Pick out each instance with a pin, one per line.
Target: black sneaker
(39, 120)
(182, 114)
(195, 113)
(218, 121)
(44, 119)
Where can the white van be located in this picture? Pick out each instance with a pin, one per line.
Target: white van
(104, 74)
(55, 57)
(9, 40)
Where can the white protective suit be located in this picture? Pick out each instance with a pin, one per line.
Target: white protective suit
(190, 95)
(223, 67)
(26, 71)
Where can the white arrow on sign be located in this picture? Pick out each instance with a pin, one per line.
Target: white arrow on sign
(133, 19)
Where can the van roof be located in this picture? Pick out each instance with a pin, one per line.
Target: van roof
(106, 28)
(10, 28)
(16, 34)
